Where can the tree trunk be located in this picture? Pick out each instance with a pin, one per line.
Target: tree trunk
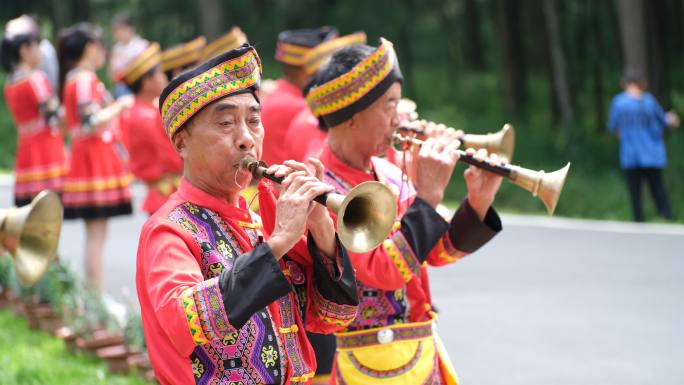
(558, 64)
(507, 13)
(80, 10)
(406, 50)
(658, 68)
(59, 15)
(633, 32)
(212, 22)
(595, 52)
(474, 43)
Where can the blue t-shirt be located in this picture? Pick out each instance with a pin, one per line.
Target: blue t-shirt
(639, 122)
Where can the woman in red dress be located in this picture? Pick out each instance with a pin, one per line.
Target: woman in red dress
(40, 160)
(96, 187)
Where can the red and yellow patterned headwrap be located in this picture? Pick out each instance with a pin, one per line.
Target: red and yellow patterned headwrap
(141, 64)
(231, 40)
(232, 72)
(294, 45)
(339, 99)
(316, 56)
(183, 55)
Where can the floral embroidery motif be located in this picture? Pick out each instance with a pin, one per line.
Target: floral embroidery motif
(269, 356)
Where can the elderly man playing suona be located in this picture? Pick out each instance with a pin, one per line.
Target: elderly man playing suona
(392, 339)
(219, 303)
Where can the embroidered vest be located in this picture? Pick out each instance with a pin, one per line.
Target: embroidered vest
(378, 307)
(259, 352)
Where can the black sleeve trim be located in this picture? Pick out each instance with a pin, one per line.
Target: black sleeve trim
(254, 282)
(334, 285)
(467, 233)
(422, 227)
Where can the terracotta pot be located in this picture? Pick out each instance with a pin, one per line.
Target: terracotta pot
(68, 336)
(34, 313)
(140, 362)
(50, 324)
(6, 298)
(99, 339)
(19, 307)
(116, 357)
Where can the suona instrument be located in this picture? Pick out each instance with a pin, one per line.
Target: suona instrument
(365, 216)
(547, 186)
(501, 142)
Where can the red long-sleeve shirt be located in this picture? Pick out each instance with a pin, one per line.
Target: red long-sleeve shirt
(217, 307)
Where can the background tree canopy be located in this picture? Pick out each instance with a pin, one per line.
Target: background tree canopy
(550, 67)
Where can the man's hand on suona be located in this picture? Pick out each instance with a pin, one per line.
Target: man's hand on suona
(482, 185)
(296, 210)
(434, 165)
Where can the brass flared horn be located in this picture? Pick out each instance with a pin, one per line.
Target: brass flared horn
(31, 234)
(502, 142)
(365, 216)
(546, 186)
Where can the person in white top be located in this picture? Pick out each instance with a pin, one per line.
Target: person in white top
(128, 44)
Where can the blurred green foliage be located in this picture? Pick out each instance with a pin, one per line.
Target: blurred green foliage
(452, 55)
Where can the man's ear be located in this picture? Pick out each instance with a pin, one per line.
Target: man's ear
(179, 143)
(352, 122)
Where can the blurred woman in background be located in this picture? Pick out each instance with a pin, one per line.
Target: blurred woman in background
(97, 186)
(40, 160)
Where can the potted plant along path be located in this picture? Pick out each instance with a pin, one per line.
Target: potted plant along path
(6, 293)
(131, 354)
(94, 326)
(52, 290)
(139, 360)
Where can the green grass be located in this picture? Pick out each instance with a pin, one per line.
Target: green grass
(32, 358)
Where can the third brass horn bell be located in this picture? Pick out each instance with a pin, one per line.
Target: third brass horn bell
(501, 142)
(31, 234)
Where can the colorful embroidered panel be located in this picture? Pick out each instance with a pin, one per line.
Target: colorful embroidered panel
(251, 355)
(301, 373)
(402, 255)
(332, 313)
(362, 339)
(446, 252)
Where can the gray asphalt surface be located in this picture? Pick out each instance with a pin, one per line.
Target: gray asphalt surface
(545, 302)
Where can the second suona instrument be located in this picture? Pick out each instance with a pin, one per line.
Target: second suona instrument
(547, 186)
(31, 234)
(365, 216)
(501, 142)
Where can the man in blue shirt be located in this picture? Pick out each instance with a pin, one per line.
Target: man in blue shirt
(639, 121)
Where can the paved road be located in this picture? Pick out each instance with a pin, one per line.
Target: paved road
(546, 302)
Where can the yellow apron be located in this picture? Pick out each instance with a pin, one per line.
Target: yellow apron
(394, 355)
